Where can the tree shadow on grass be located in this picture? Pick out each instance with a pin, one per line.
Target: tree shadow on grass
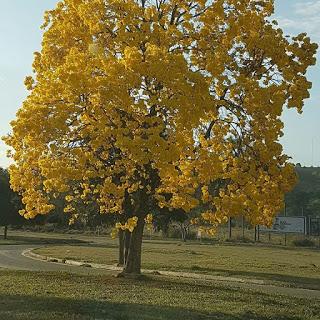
(103, 245)
(39, 307)
(266, 245)
(306, 282)
(236, 243)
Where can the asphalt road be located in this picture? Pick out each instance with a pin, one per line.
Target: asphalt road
(11, 258)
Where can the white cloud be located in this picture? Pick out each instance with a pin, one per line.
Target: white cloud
(305, 18)
(286, 22)
(309, 8)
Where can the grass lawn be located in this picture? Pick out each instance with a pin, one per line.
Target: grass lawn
(43, 296)
(284, 265)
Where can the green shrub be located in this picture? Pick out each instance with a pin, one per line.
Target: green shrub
(303, 243)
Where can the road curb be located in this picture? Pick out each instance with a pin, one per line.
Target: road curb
(30, 254)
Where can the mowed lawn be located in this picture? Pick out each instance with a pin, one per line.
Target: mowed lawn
(43, 296)
(284, 265)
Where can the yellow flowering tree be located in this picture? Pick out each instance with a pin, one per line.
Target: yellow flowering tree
(169, 103)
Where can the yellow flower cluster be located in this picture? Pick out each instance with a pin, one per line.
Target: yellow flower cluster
(149, 218)
(129, 225)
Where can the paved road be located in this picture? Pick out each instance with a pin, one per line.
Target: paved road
(11, 258)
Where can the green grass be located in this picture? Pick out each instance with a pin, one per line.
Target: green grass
(284, 265)
(44, 296)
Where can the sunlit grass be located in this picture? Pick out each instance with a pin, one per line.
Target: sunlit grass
(44, 296)
(290, 266)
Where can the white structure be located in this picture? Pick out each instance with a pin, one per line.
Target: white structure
(287, 225)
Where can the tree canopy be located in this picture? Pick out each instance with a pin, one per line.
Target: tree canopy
(167, 103)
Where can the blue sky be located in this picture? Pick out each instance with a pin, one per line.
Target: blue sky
(20, 36)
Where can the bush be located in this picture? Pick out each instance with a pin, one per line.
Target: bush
(175, 233)
(304, 243)
(49, 227)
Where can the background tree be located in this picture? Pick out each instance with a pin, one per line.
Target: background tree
(10, 204)
(313, 207)
(137, 104)
(304, 198)
(164, 218)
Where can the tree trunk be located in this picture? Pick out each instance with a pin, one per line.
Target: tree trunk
(121, 248)
(183, 232)
(133, 261)
(230, 228)
(5, 235)
(165, 231)
(127, 238)
(124, 245)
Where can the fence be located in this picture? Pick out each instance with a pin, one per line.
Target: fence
(237, 229)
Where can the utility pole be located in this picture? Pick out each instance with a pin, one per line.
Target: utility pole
(230, 228)
(242, 224)
(285, 214)
(312, 152)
